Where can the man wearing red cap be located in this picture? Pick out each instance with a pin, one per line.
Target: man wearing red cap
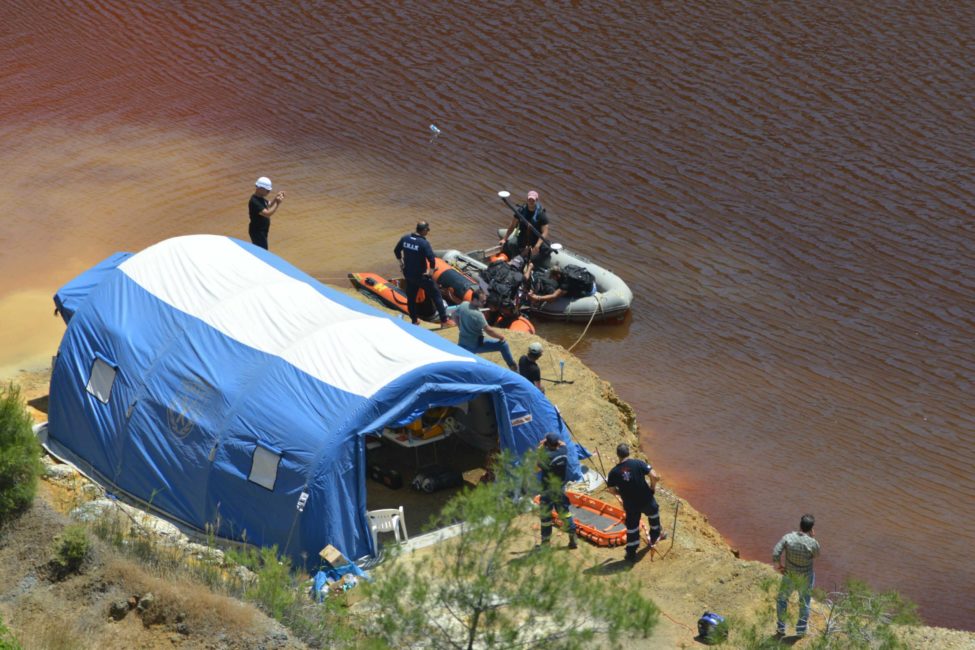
(531, 221)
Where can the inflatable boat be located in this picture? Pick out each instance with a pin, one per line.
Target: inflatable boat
(610, 301)
(389, 294)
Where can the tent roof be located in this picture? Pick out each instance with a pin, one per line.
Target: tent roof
(269, 309)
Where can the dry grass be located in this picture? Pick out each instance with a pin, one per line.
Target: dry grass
(177, 595)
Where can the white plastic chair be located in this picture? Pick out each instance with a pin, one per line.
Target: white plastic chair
(387, 520)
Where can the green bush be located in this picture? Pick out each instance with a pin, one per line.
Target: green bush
(71, 549)
(7, 640)
(274, 590)
(282, 594)
(20, 454)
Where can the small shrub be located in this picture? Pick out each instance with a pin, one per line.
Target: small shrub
(111, 527)
(282, 594)
(71, 548)
(274, 591)
(7, 640)
(20, 454)
(858, 617)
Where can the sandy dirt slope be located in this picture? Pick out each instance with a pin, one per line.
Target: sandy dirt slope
(693, 572)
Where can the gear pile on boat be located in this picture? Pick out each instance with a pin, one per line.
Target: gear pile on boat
(524, 274)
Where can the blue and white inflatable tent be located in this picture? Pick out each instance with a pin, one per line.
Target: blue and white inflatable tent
(217, 383)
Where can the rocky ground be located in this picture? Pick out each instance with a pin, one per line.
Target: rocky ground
(694, 571)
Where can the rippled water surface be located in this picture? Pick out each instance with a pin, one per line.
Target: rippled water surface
(787, 188)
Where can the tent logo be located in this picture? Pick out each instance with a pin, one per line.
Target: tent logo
(525, 419)
(187, 407)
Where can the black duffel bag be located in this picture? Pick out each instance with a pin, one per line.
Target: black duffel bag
(388, 477)
(434, 478)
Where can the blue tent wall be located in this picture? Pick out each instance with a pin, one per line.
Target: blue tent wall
(190, 404)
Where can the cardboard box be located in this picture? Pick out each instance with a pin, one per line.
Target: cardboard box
(333, 556)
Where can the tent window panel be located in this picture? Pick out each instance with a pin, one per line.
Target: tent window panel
(264, 467)
(102, 379)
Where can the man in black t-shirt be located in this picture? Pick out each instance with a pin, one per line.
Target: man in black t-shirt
(530, 217)
(528, 365)
(628, 481)
(416, 258)
(260, 211)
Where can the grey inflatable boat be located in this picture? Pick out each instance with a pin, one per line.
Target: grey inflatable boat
(610, 301)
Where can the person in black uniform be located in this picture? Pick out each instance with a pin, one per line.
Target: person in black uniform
(260, 211)
(417, 261)
(628, 481)
(528, 365)
(553, 465)
(534, 214)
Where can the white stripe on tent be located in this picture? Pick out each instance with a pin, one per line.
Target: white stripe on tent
(214, 279)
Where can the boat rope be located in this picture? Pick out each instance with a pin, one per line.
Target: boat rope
(674, 620)
(599, 309)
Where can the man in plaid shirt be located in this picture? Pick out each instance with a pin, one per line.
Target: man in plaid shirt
(800, 548)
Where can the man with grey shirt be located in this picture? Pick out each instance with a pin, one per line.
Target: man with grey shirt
(798, 549)
(473, 326)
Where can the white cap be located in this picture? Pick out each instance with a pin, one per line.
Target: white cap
(535, 349)
(264, 183)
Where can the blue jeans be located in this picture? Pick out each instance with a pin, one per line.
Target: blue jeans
(487, 344)
(802, 584)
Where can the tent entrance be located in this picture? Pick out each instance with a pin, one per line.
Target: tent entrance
(467, 451)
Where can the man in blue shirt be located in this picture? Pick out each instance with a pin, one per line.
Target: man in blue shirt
(473, 326)
(417, 261)
(628, 481)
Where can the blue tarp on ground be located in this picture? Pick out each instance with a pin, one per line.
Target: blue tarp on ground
(218, 383)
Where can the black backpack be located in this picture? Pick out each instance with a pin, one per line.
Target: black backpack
(503, 283)
(579, 280)
(543, 284)
(433, 478)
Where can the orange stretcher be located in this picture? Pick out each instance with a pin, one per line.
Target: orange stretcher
(600, 523)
